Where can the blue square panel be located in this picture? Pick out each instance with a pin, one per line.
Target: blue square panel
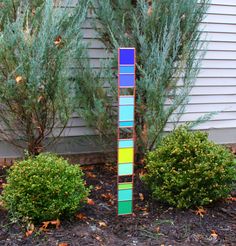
(127, 80)
(127, 56)
(126, 113)
(127, 69)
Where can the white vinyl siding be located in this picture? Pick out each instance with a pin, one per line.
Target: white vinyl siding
(215, 88)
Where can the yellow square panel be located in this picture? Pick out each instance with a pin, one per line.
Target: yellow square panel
(125, 155)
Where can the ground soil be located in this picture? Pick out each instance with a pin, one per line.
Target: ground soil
(152, 223)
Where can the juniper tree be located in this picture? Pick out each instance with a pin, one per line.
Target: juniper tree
(95, 104)
(37, 42)
(166, 36)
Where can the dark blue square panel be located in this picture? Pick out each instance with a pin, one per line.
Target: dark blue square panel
(127, 56)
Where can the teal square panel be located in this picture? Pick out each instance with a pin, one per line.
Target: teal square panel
(124, 100)
(125, 195)
(126, 124)
(127, 143)
(126, 113)
(125, 169)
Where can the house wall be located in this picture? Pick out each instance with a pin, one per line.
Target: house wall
(215, 88)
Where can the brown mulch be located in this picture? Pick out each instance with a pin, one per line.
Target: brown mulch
(152, 223)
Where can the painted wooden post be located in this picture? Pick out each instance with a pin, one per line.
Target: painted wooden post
(126, 129)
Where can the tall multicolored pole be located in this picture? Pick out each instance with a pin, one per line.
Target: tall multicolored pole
(126, 130)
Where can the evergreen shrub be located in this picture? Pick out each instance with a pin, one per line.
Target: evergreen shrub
(40, 42)
(166, 36)
(44, 187)
(189, 170)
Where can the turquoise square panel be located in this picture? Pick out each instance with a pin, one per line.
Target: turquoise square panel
(126, 143)
(126, 124)
(124, 100)
(125, 169)
(125, 195)
(126, 113)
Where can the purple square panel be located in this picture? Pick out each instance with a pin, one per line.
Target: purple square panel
(127, 80)
(127, 56)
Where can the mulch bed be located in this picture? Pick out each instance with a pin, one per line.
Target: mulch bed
(151, 224)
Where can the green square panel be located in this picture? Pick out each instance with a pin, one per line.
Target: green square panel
(125, 207)
(125, 186)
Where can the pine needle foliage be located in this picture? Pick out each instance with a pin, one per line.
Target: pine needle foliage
(166, 36)
(38, 39)
(95, 105)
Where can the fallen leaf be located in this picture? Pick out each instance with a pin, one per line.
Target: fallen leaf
(142, 173)
(214, 234)
(107, 196)
(30, 230)
(91, 175)
(63, 244)
(141, 196)
(110, 203)
(44, 226)
(40, 98)
(134, 215)
(98, 187)
(57, 40)
(90, 201)
(28, 233)
(102, 224)
(87, 167)
(200, 211)
(98, 238)
(81, 216)
(19, 79)
(233, 199)
(57, 223)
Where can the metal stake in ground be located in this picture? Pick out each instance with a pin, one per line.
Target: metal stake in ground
(126, 129)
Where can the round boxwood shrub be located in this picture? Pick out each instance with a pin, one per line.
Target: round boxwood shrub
(44, 187)
(188, 170)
